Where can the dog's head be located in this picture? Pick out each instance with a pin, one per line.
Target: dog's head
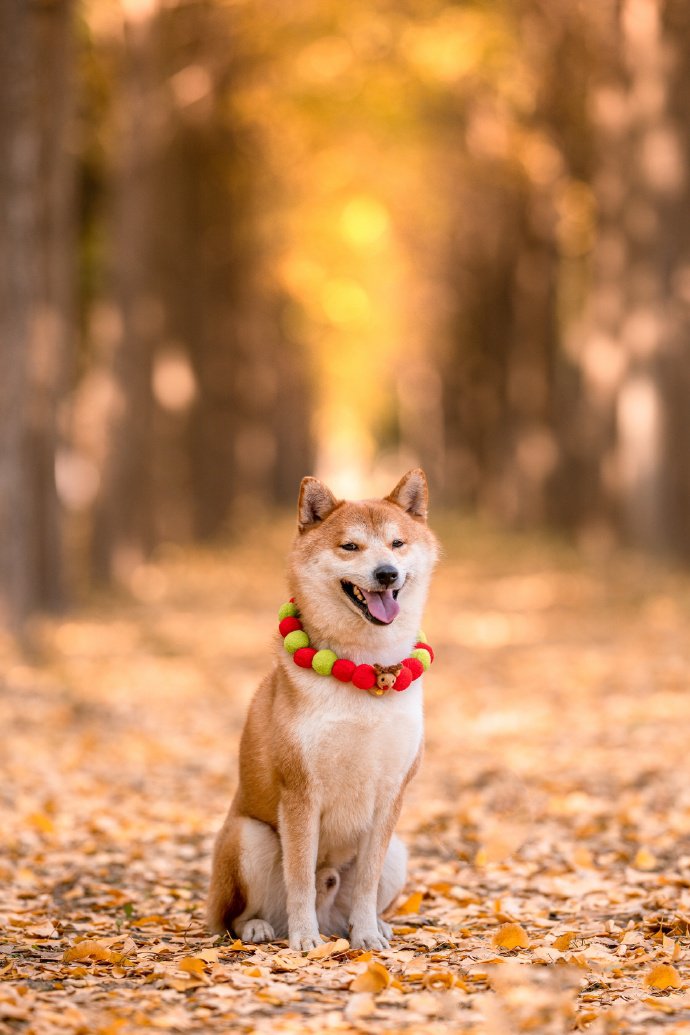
(365, 565)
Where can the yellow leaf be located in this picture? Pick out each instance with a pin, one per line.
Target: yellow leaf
(510, 936)
(237, 946)
(41, 822)
(143, 921)
(209, 955)
(183, 984)
(327, 949)
(192, 965)
(374, 979)
(91, 950)
(412, 904)
(582, 857)
(286, 963)
(645, 860)
(438, 979)
(564, 940)
(664, 975)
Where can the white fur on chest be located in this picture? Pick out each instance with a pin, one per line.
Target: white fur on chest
(358, 750)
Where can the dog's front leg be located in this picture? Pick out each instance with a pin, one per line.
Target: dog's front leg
(298, 820)
(364, 928)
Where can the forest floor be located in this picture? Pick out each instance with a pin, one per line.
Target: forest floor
(549, 885)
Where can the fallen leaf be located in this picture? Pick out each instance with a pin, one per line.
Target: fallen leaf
(46, 930)
(209, 955)
(40, 821)
(363, 957)
(92, 950)
(664, 975)
(285, 964)
(510, 936)
(582, 858)
(327, 949)
(564, 940)
(412, 904)
(192, 965)
(645, 860)
(438, 979)
(374, 979)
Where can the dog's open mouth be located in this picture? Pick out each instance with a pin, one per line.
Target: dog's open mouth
(379, 608)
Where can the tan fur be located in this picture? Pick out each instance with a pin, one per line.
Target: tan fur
(308, 845)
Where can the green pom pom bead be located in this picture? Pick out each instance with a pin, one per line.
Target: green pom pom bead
(289, 611)
(294, 640)
(421, 654)
(323, 662)
(421, 635)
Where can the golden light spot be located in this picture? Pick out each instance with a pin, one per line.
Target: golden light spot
(191, 84)
(364, 221)
(344, 301)
(174, 384)
(325, 59)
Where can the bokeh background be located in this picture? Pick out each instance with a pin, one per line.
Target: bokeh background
(245, 241)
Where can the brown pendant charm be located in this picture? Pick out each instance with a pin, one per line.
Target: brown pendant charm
(385, 678)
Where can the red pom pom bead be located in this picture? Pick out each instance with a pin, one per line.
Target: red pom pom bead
(404, 679)
(364, 677)
(414, 666)
(303, 656)
(425, 646)
(343, 669)
(289, 625)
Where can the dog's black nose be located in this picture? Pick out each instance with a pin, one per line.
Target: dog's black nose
(386, 574)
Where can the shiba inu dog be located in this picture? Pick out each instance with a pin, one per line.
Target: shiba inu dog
(308, 846)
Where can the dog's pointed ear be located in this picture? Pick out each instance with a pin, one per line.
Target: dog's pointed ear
(411, 493)
(316, 501)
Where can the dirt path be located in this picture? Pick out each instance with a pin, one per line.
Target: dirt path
(550, 878)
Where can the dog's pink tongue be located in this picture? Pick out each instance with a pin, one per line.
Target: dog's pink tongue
(382, 605)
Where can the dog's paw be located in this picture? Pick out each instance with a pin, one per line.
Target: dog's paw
(368, 939)
(303, 939)
(255, 931)
(385, 930)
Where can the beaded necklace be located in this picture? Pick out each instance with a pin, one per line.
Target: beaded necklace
(377, 679)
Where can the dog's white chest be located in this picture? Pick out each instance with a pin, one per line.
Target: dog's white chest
(359, 750)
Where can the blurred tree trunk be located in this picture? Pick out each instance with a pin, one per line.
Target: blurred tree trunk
(123, 532)
(247, 432)
(674, 260)
(35, 287)
(625, 419)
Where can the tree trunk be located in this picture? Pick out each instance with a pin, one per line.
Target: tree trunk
(124, 521)
(35, 288)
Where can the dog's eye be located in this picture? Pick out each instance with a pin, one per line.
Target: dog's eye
(349, 546)
(397, 543)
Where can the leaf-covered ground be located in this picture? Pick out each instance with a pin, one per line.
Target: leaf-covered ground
(549, 888)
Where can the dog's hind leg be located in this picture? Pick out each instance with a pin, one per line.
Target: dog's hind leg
(391, 883)
(393, 877)
(247, 892)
